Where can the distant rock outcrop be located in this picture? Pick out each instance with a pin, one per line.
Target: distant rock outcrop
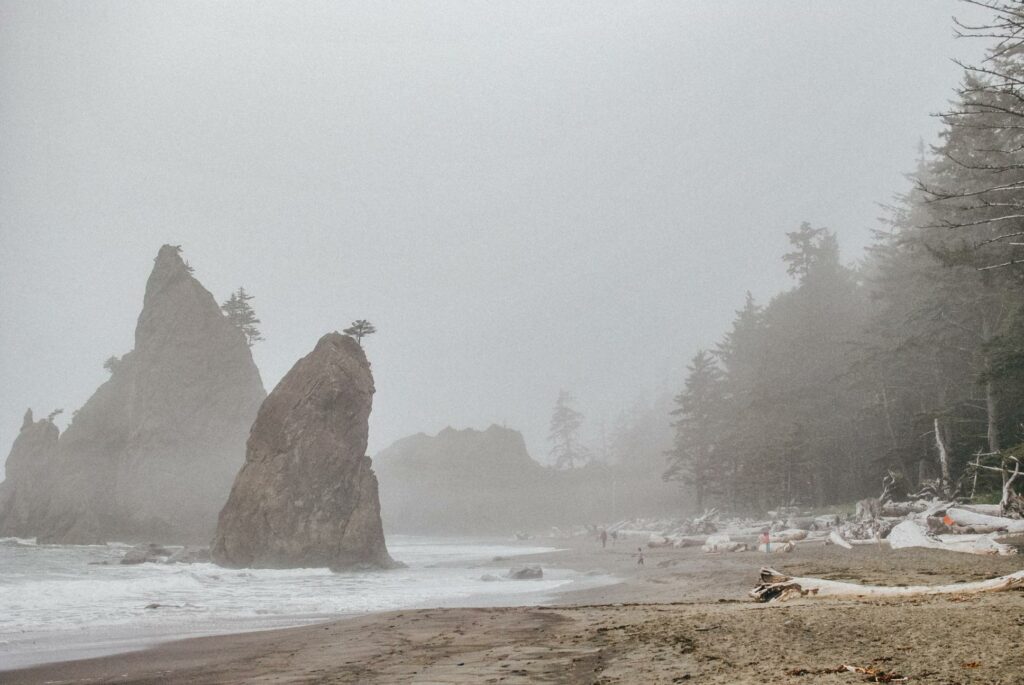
(463, 481)
(153, 453)
(307, 495)
(28, 466)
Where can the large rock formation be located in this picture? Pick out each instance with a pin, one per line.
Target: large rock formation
(154, 451)
(307, 495)
(28, 466)
(471, 482)
(463, 481)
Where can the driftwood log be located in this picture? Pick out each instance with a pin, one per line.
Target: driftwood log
(911, 534)
(964, 517)
(777, 587)
(836, 538)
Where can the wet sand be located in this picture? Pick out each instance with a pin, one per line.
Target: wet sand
(682, 617)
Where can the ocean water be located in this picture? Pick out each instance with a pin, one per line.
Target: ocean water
(61, 602)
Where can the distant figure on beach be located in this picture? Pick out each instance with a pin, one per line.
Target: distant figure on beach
(766, 540)
(639, 556)
(604, 538)
(615, 536)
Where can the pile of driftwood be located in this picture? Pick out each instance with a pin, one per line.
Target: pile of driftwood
(665, 532)
(941, 521)
(952, 526)
(975, 529)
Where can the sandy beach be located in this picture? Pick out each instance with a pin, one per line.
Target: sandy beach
(681, 617)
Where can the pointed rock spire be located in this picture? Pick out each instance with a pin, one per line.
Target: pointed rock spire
(307, 495)
(153, 453)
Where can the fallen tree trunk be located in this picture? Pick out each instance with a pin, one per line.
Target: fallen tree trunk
(850, 543)
(910, 534)
(977, 544)
(788, 535)
(990, 509)
(720, 542)
(901, 509)
(935, 507)
(963, 517)
(776, 587)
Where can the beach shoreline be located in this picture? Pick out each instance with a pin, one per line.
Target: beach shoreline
(38, 647)
(683, 615)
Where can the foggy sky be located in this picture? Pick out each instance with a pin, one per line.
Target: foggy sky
(522, 196)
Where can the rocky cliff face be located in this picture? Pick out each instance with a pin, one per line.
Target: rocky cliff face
(307, 495)
(154, 451)
(462, 481)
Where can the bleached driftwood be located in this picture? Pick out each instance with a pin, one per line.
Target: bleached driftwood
(989, 509)
(655, 540)
(688, 541)
(963, 517)
(1011, 503)
(838, 540)
(977, 544)
(868, 509)
(774, 547)
(911, 534)
(788, 535)
(943, 453)
(933, 508)
(800, 522)
(901, 509)
(706, 522)
(719, 542)
(869, 541)
(826, 522)
(776, 587)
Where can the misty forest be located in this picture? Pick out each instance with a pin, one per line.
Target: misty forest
(420, 450)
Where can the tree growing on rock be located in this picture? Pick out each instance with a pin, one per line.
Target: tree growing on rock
(241, 314)
(360, 329)
(565, 431)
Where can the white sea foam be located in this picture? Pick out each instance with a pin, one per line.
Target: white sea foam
(60, 602)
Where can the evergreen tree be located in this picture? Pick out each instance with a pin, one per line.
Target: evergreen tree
(360, 329)
(693, 458)
(564, 433)
(783, 422)
(741, 354)
(241, 314)
(977, 185)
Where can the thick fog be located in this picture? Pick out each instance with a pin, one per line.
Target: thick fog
(522, 197)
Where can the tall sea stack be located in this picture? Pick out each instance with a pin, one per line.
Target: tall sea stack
(153, 453)
(307, 495)
(28, 467)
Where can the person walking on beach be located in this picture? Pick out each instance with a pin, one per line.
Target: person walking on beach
(639, 556)
(604, 538)
(766, 540)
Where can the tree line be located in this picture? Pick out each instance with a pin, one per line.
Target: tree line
(907, 364)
